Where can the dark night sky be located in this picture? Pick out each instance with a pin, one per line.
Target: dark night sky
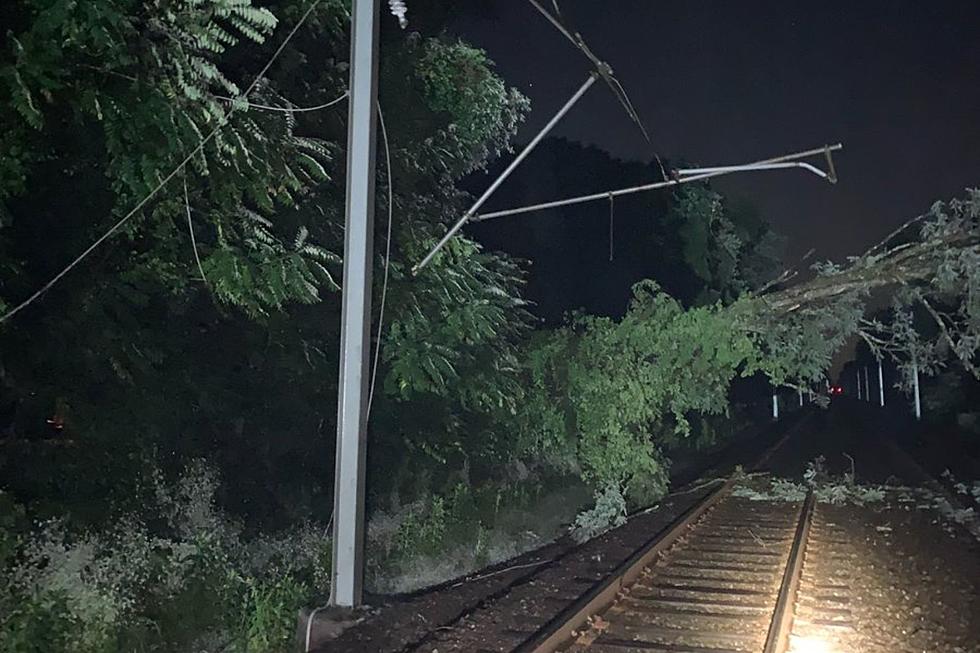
(898, 82)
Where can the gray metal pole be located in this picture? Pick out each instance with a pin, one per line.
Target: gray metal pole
(859, 382)
(506, 173)
(881, 386)
(799, 391)
(867, 386)
(748, 167)
(915, 387)
(355, 339)
(775, 406)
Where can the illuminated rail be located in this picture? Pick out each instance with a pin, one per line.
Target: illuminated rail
(722, 579)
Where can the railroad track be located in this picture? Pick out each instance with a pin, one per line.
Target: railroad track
(723, 579)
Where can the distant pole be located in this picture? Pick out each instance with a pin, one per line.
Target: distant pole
(775, 406)
(859, 383)
(915, 388)
(799, 391)
(355, 339)
(881, 386)
(867, 386)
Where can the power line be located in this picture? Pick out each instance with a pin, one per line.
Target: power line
(603, 70)
(190, 229)
(289, 109)
(384, 282)
(156, 189)
(602, 67)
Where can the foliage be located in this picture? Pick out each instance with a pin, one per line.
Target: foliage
(602, 389)
(146, 83)
(149, 357)
(934, 262)
(270, 613)
(443, 536)
(608, 512)
(606, 391)
(727, 245)
(780, 489)
(177, 574)
(826, 488)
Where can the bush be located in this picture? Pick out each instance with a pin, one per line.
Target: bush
(440, 537)
(270, 613)
(609, 512)
(189, 583)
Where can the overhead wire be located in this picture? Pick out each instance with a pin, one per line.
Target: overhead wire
(604, 69)
(384, 283)
(190, 229)
(290, 109)
(165, 180)
(576, 39)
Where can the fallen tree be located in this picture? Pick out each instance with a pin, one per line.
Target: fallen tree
(606, 395)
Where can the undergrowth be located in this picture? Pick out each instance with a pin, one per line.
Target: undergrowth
(826, 488)
(182, 576)
(179, 576)
(608, 512)
(440, 537)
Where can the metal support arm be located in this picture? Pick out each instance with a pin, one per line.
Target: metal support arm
(506, 173)
(775, 162)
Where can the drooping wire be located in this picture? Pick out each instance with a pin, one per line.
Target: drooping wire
(163, 182)
(267, 107)
(384, 282)
(190, 230)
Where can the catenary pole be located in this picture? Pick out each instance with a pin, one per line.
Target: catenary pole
(775, 406)
(347, 571)
(867, 386)
(881, 386)
(858, 374)
(915, 389)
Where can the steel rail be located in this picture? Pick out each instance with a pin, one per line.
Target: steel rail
(559, 630)
(777, 640)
